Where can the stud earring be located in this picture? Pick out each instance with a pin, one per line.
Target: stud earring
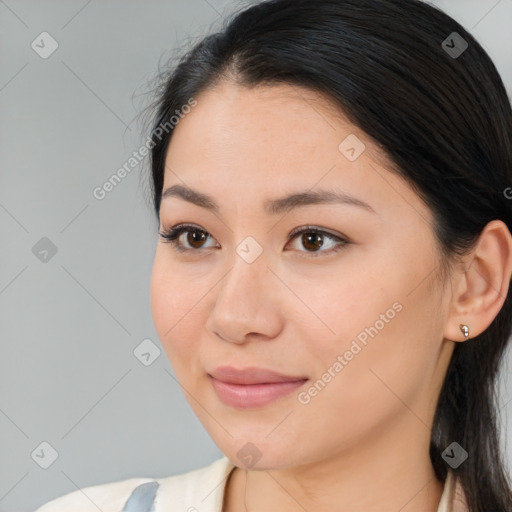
(465, 330)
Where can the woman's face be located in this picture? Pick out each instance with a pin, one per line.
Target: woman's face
(361, 320)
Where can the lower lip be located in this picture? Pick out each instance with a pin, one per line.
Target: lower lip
(253, 395)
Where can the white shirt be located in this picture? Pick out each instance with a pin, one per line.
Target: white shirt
(200, 490)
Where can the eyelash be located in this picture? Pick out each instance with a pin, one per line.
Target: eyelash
(172, 236)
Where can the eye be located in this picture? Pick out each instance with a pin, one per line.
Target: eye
(312, 238)
(195, 237)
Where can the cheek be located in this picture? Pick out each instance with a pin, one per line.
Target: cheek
(378, 325)
(388, 359)
(162, 296)
(175, 310)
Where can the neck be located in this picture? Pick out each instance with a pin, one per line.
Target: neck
(392, 473)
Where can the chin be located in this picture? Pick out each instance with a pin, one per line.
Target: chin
(261, 453)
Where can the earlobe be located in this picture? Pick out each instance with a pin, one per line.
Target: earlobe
(465, 331)
(483, 286)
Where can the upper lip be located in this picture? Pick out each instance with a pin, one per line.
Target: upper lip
(250, 375)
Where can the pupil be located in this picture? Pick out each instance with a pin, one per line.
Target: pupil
(191, 239)
(314, 238)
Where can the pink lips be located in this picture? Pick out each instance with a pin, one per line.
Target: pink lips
(251, 386)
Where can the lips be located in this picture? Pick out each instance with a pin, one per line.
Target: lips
(252, 387)
(251, 375)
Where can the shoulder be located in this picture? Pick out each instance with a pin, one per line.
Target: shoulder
(108, 497)
(198, 489)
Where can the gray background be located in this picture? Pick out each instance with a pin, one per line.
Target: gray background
(69, 326)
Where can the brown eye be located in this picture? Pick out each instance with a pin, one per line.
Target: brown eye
(313, 240)
(196, 236)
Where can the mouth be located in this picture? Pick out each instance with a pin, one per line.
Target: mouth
(252, 387)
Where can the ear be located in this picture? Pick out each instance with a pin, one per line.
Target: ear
(480, 289)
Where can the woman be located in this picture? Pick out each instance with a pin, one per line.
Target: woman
(332, 185)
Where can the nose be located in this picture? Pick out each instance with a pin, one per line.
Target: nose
(248, 303)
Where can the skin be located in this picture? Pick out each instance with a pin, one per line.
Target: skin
(361, 444)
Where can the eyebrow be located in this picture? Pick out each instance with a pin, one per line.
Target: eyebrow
(272, 206)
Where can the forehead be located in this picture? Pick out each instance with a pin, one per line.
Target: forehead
(287, 122)
(267, 108)
(272, 140)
